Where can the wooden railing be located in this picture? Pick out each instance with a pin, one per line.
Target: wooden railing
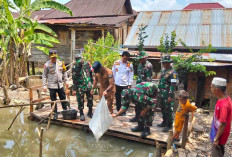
(31, 89)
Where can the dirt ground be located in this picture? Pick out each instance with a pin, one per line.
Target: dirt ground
(199, 140)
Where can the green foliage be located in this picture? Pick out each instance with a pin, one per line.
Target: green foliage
(105, 51)
(141, 37)
(167, 46)
(183, 64)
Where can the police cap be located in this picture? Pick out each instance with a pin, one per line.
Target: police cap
(96, 66)
(52, 53)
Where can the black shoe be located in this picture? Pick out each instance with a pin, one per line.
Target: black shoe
(82, 117)
(161, 124)
(166, 129)
(55, 116)
(132, 119)
(145, 132)
(137, 129)
(90, 114)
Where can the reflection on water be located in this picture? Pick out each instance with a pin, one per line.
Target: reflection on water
(22, 141)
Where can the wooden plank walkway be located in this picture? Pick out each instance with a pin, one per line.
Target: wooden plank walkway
(120, 126)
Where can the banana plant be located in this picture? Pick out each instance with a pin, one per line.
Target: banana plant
(24, 32)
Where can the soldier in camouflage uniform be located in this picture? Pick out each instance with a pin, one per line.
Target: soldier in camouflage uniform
(144, 72)
(82, 84)
(144, 97)
(145, 69)
(166, 87)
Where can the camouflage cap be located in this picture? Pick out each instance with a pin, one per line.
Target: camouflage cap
(166, 59)
(142, 54)
(52, 53)
(78, 56)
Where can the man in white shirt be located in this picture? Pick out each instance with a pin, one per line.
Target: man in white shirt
(123, 75)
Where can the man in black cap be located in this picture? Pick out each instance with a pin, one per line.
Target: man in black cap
(105, 77)
(54, 76)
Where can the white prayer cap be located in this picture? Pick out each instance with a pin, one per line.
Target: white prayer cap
(218, 81)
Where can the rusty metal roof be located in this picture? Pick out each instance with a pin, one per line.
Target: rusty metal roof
(195, 6)
(214, 56)
(39, 14)
(90, 8)
(211, 26)
(108, 21)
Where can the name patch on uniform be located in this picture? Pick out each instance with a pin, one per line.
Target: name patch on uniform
(173, 80)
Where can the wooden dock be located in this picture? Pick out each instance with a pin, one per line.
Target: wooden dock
(120, 126)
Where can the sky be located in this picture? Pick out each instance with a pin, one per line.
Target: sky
(150, 5)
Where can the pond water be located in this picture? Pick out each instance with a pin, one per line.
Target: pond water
(22, 140)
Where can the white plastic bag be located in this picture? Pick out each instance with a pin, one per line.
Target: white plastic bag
(101, 119)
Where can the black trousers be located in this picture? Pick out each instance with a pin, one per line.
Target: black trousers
(62, 96)
(118, 96)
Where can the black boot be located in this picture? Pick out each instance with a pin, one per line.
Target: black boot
(82, 117)
(138, 128)
(90, 112)
(132, 119)
(146, 132)
(163, 124)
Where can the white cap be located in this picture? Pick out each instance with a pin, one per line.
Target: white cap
(218, 81)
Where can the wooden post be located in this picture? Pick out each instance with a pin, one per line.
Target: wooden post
(7, 99)
(31, 99)
(185, 131)
(33, 68)
(73, 44)
(158, 150)
(40, 134)
(169, 142)
(28, 68)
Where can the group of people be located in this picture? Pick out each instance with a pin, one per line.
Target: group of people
(146, 95)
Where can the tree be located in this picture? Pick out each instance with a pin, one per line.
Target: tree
(105, 51)
(141, 37)
(18, 35)
(185, 63)
(167, 46)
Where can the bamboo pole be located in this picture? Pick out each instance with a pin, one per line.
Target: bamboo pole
(169, 142)
(21, 109)
(50, 117)
(34, 104)
(185, 131)
(40, 134)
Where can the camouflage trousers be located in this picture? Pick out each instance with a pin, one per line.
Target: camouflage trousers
(80, 99)
(166, 109)
(127, 97)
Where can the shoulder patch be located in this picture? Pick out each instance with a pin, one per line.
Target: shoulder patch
(117, 63)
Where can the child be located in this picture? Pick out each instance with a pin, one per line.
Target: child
(183, 109)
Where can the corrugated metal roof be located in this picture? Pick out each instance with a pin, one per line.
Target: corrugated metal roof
(90, 8)
(215, 56)
(113, 21)
(195, 6)
(192, 26)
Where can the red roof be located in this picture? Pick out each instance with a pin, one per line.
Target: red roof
(196, 6)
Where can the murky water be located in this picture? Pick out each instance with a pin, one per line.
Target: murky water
(22, 141)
